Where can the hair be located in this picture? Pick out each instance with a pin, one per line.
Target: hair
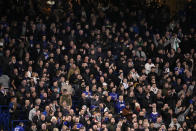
(55, 129)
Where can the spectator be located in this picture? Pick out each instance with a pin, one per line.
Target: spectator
(148, 66)
(120, 105)
(141, 53)
(73, 65)
(3, 95)
(175, 123)
(66, 97)
(20, 127)
(154, 115)
(126, 112)
(33, 127)
(32, 112)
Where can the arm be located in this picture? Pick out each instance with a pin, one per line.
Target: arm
(178, 40)
(30, 115)
(70, 100)
(13, 84)
(61, 100)
(178, 110)
(155, 40)
(144, 55)
(186, 111)
(166, 43)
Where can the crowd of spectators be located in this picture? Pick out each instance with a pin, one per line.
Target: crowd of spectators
(110, 68)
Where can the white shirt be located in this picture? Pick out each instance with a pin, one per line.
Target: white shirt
(175, 43)
(135, 75)
(154, 90)
(32, 114)
(125, 85)
(148, 67)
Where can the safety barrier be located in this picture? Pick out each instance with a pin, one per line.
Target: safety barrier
(4, 117)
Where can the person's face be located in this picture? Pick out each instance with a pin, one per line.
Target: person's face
(99, 49)
(47, 108)
(58, 51)
(95, 127)
(153, 109)
(109, 53)
(22, 90)
(135, 125)
(42, 117)
(94, 88)
(121, 98)
(62, 79)
(140, 89)
(31, 37)
(175, 120)
(27, 102)
(7, 53)
(150, 61)
(92, 52)
(102, 79)
(81, 32)
(36, 107)
(43, 127)
(109, 98)
(66, 57)
(184, 125)
(147, 33)
(77, 120)
(112, 120)
(87, 88)
(33, 127)
(28, 95)
(43, 38)
(13, 59)
(184, 86)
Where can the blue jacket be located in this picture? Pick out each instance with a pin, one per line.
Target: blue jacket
(18, 128)
(79, 125)
(181, 70)
(86, 93)
(45, 113)
(120, 106)
(153, 117)
(68, 124)
(114, 96)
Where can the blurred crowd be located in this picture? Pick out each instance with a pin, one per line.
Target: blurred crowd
(101, 68)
